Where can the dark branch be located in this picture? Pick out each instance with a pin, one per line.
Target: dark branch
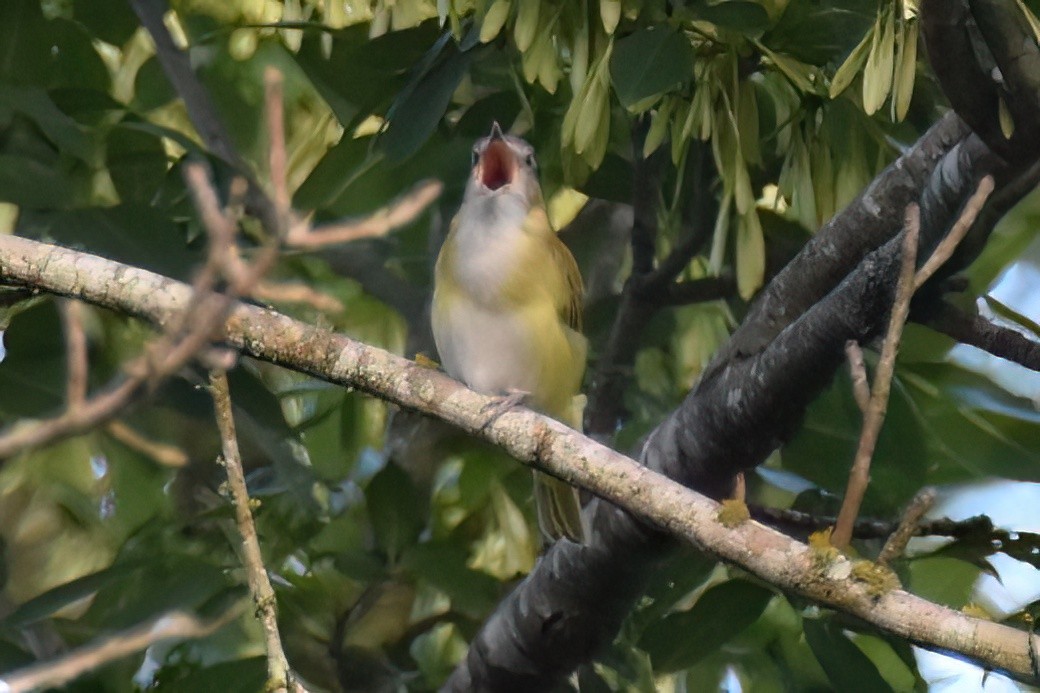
(868, 222)
(649, 289)
(797, 522)
(976, 331)
(200, 107)
(744, 406)
(1014, 49)
(968, 85)
(646, 189)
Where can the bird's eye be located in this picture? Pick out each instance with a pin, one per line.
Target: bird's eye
(530, 161)
(474, 156)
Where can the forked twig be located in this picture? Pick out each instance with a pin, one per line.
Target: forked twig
(859, 476)
(909, 281)
(401, 211)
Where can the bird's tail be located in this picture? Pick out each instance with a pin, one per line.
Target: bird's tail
(559, 509)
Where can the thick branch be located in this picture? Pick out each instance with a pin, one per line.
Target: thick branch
(867, 223)
(748, 402)
(1015, 51)
(533, 439)
(971, 91)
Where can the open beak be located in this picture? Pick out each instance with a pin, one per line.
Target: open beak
(498, 165)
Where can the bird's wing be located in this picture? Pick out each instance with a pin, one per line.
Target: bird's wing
(571, 307)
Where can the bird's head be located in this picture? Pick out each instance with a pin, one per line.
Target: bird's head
(503, 165)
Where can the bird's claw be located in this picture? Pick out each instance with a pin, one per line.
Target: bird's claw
(500, 404)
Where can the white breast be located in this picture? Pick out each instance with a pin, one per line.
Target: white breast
(486, 349)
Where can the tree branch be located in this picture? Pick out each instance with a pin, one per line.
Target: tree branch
(646, 291)
(979, 332)
(859, 476)
(536, 440)
(175, 625)
(796, 520)
(279, 676)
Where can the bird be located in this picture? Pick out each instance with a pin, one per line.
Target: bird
(507, 306)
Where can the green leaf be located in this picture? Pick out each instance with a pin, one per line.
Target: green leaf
(31, 183)
(238, 676)
(846, 665)
(175, 581)
(681, 639)
(137, 164)
(649, 62)
(443, 564)
(24, 36)
(946, 581)
(821, 32)
(111, 21)
(359, 75)
(76, 62)
(151, 88)
(673, 582)
(57, 598)
(393, 508)
(132, 233)
(34, 366)
(419, 108)
(748, 18)
(334, 174)
(974, 428)
(62, 131)
(825, 446)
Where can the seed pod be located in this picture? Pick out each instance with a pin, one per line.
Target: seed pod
(494, 20)
(610, 14)
(526, 27)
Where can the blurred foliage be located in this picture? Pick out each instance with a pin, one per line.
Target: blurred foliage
(389, 539)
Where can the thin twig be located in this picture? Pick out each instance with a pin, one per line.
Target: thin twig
(278, 673)
(297, 292)
(166, 455)
(859, 476)
(175, 625)
(398, 213)
(276, 154)
(858, 373)
(896, 543)
(75, 352)
(96, 410)
(949, 243)
(183, 337)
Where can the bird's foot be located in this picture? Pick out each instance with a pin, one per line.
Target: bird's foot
(500, 404)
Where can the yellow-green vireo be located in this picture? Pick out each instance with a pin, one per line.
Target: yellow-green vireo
(507, 304)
